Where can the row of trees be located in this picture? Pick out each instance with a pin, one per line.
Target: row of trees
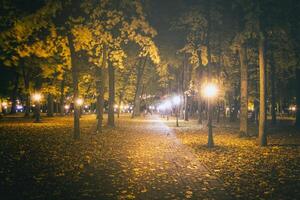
(249, 48)
(105, 49)
(88, 49)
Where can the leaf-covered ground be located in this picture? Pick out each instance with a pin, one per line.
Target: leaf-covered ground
(246, 170)
(139, 159)
(146, 158)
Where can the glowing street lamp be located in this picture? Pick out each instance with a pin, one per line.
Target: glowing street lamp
(210, 91)
(37, 97)
(176, 101)
(79, 102)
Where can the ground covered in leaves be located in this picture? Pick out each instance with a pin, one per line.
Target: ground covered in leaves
(139, 159)
(145, 158)
(246, 170)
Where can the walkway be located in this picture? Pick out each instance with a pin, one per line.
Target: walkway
(158, 166)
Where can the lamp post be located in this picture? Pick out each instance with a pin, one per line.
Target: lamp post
(210, 91)
(37, 98)
(78, 103)
(176, 102)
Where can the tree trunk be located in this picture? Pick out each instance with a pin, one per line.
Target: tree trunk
(138, 92)
(50, 106)
(75, 75)
(298, 98)
(111, 98)
(244, 92)
(62, 94)
(262, 90)
(200, 111)
(14, 95)
(186, 107)
(273, 91)
(27, 92)
(100, 97)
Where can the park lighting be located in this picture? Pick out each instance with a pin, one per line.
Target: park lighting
(67, 107)
(79, 102)
(176, 102)
(210, 90)
(37, 97)
(4, 105)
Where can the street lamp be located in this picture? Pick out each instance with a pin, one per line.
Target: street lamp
(167, 106)
(210, 91)
(79, 102)
(77, 107)
(37, 97)
(176, 101)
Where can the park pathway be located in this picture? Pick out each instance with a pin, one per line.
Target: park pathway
(157, 166)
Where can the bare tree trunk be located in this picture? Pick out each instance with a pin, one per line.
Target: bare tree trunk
(200, 112)
(50, 106)
(62, 94)
(101, 89)
(244, 92)
(14, 94)
(186, 107)
(273, 91)
(75, 75)
(27, 92)
(111, 98)
(262, 90)
(138, 92)
(298, 98)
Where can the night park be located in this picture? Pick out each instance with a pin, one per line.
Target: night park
(150, 99)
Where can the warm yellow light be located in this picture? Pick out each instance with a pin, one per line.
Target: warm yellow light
(37, 97)
(116, 106)
(67, 107)
(210, 90)
(4, 104)
(79, 101)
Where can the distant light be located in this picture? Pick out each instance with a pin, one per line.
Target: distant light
(116, 106)
(67, 107)
(19, 107)
(4, 104)
(210, 90)
(176, 100)
(293, 108)
(36, 97)
(227, 109)
(79, 101)
(86, 106)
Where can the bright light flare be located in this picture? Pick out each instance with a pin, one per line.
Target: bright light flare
(67, 107)
(210, 90)
(37, 97)
(176, 100)
(79, 102)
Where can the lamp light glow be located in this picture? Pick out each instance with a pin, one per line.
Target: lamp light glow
(210, 90)
(37, 97)
(176, 100)
(79, 101)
